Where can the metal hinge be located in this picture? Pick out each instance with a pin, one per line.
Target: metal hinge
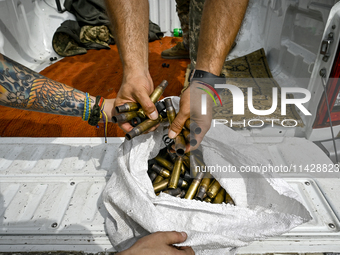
(325, 45)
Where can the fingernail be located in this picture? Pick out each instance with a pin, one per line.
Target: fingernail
(184, 234)
(153, 115)
(172, 134)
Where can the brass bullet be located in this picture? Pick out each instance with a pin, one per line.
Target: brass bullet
(228, 199)
(156, 94)
(182, 183)
(180, 145)
(159, 186)
(192, 126)
(219, 197)
(196, 182)
(158, 179)
(142, 127)
(176, 172)
(207, 199)
(202, 190)
(189, 138)
(124, 117)
(213, 189)
(164, 163)
(152, 176)
(173, 157)
(161, 171)
(173, 192)
(170, 110)
(127, 107)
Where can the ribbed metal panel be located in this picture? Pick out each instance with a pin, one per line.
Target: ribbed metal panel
(163, 13)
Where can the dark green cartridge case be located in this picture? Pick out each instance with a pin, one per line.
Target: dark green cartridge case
(213, 189)
(127, 107)
(219, 197)
(176, 172)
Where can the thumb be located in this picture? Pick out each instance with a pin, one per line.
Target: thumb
(148, 106)
(177, 125)
(173, 237)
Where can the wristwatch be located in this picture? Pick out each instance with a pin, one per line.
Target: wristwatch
(206, 77)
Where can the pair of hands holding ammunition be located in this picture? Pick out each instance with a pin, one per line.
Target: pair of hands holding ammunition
(138, 87)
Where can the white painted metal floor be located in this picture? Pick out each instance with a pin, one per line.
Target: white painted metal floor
(50, 196)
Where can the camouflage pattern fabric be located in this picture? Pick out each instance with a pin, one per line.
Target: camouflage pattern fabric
(182, 8)
(190, 14)
(95, 34)
(64, 45)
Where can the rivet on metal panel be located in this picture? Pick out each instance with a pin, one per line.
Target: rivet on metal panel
(334, 26)
(54, 225)
(323, 72)
(307, 183)
(72, 183)
(331, 225)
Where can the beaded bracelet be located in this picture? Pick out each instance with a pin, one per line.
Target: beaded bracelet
(87, 108)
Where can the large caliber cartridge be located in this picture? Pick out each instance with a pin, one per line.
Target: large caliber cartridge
(207, 199)
(161, 171)
(180, 145)
(173, 192)
(202, 190)
(156, 94)
(170, 110)
(194, 186)
(164, 163)
(124, 117)
(176, 172)
(152, 176)
(192, 126)
(127, 107)
(142, 127)
(173, 157)
(196, 182)
(219, 197)
(158, 179)
(189, 137)
(162, 185)
(213, 189)
(228, 199)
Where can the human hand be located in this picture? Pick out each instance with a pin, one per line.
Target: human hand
(191, 107)
(109, 107)
(159, 243)
(137, 88)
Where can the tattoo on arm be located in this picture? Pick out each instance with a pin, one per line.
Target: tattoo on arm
(23, 88)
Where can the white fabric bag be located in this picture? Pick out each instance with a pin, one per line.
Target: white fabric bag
(265, 206)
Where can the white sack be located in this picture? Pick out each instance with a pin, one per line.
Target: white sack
(265, 206)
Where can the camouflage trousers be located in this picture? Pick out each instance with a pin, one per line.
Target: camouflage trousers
(190, 13)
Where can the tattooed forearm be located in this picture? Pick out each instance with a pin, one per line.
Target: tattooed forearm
(23, 88)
